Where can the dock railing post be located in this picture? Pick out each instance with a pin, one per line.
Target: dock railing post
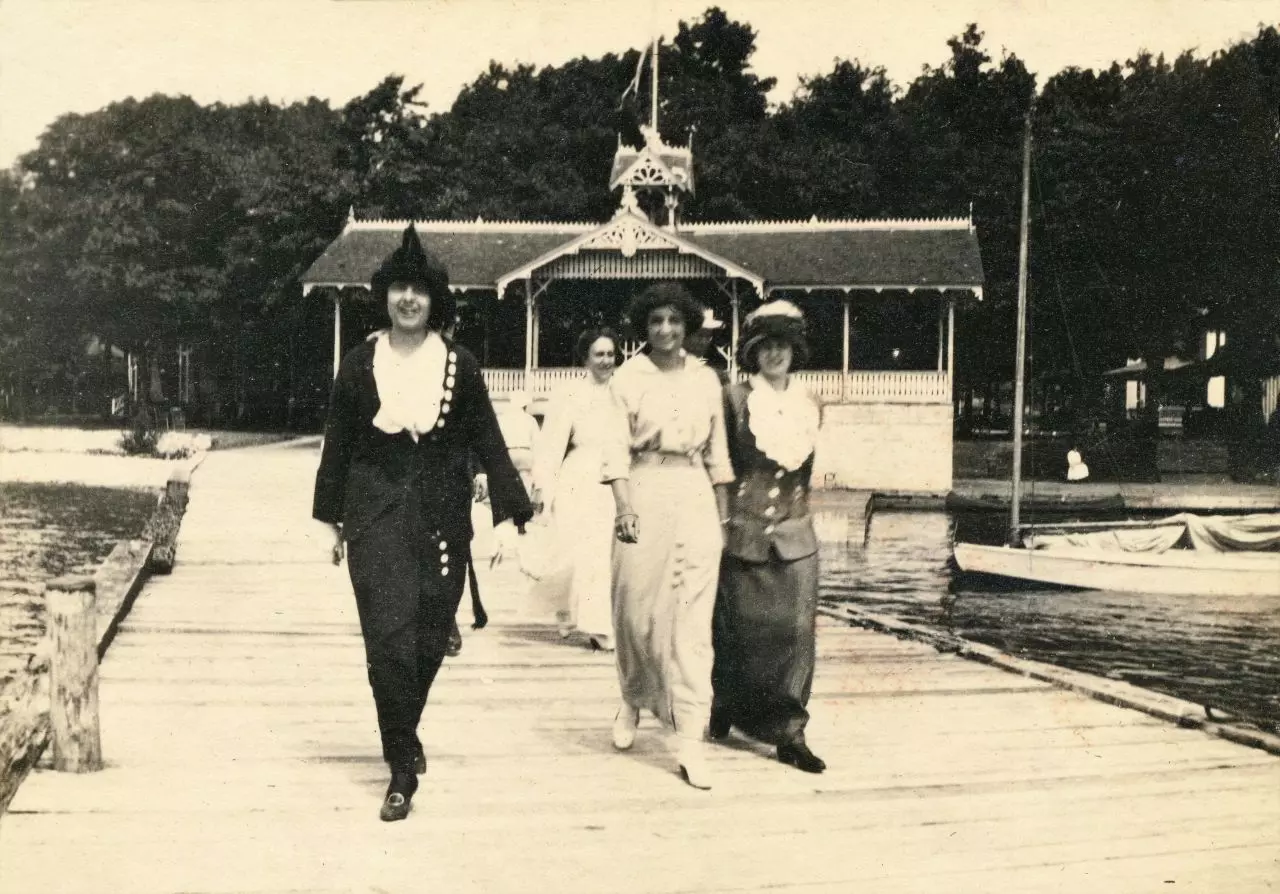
(72, 615)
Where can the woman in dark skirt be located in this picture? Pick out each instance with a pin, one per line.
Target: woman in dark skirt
(767, 600)
(409, 411)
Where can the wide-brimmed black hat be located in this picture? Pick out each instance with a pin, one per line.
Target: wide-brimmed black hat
(412, 264)
(775, 319)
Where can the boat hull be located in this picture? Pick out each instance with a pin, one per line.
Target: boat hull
(1175, 572)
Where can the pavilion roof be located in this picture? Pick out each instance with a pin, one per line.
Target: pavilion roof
(475, 253)
(851, 254)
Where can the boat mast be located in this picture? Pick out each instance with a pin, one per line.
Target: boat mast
(1019, 379)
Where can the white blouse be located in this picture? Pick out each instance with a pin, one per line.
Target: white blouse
(783, 423)
(678, 411)
(410, 386)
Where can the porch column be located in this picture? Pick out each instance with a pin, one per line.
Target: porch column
(941, 334)
(951, 342)
(337, 331)
(733, 331)
(528, 330)
(844, 348)
(537, 333)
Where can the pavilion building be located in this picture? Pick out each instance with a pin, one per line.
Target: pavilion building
(879, 295)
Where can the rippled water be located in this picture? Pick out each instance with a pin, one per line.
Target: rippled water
(1221, 653)
(48, 530)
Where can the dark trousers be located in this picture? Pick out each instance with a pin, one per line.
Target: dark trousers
(408, 581)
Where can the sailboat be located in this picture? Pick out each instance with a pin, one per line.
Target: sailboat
(1182, 555)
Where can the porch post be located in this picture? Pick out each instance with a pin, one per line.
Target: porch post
(941, 334)
(951, 343)
(537, 333)
(337, 331)
(733, 331)
(528, 331)
(844, 349)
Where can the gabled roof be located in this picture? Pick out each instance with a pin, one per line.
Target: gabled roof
(476, 253)
(629, 232)
(874, 254)
(812, 254)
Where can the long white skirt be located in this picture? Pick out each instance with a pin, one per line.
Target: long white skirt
(582, 517)
(664, 593)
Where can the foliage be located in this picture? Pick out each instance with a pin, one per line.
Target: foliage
(1156, 194)
(140, 438)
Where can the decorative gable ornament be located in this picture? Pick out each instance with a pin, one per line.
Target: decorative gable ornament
(628, 234)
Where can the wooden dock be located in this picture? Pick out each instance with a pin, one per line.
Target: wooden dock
(242, 756)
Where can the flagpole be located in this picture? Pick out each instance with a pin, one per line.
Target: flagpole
(653, 107)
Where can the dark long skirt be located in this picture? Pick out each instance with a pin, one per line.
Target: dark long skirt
(764, 646)
(408, 580)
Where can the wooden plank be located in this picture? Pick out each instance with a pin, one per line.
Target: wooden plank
(242, 756)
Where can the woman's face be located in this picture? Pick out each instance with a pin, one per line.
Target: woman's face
(665, 330)
(408, 306)
(601, 357)
(774, 357)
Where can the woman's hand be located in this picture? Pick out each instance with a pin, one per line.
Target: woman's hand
(480, 487)
(535, 499)
(339, 545)
(504, 543)
(626, 527)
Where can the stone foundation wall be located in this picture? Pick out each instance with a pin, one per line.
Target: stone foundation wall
(885, 447)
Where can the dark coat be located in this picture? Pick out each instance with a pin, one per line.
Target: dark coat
(769, 512)
(364, 472)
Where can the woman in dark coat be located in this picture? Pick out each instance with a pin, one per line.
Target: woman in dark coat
(766, 606)
(409, 410)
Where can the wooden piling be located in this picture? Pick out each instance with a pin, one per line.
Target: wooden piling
(73, 710)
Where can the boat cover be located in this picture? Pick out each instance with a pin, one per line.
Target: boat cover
(1212, 533)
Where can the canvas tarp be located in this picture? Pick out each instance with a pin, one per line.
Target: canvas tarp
(1213, 533)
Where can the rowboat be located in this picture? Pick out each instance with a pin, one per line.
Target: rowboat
(1177, 573)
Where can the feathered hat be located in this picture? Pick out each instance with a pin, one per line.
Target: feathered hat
(412, 264)
(774, 319)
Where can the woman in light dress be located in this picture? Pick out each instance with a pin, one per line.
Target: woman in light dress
(669, 468)
(567, 486)
(766, 612)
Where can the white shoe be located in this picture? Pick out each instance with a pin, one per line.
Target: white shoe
(624, 727)
(694, 768)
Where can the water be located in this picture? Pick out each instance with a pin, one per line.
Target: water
(48, 530)
(1221, 653)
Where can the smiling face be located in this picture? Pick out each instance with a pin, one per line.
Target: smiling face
(601, 357)
(665, 329)
(774, 357)
(408, 306)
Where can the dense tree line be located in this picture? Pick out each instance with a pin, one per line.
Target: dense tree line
(1156, 199)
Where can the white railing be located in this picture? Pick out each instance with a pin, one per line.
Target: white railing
(897, 387)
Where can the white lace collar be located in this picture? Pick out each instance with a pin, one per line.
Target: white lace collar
(410, 386)
(783, 423)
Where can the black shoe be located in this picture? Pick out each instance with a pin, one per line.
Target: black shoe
(719, 726)
(798, 755)
(399, 797)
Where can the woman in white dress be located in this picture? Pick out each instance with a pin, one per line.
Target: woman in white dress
(669, 468)
(567, 486)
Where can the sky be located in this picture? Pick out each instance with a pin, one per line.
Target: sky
(60, 56)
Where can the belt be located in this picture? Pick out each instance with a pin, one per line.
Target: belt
(655, 458)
